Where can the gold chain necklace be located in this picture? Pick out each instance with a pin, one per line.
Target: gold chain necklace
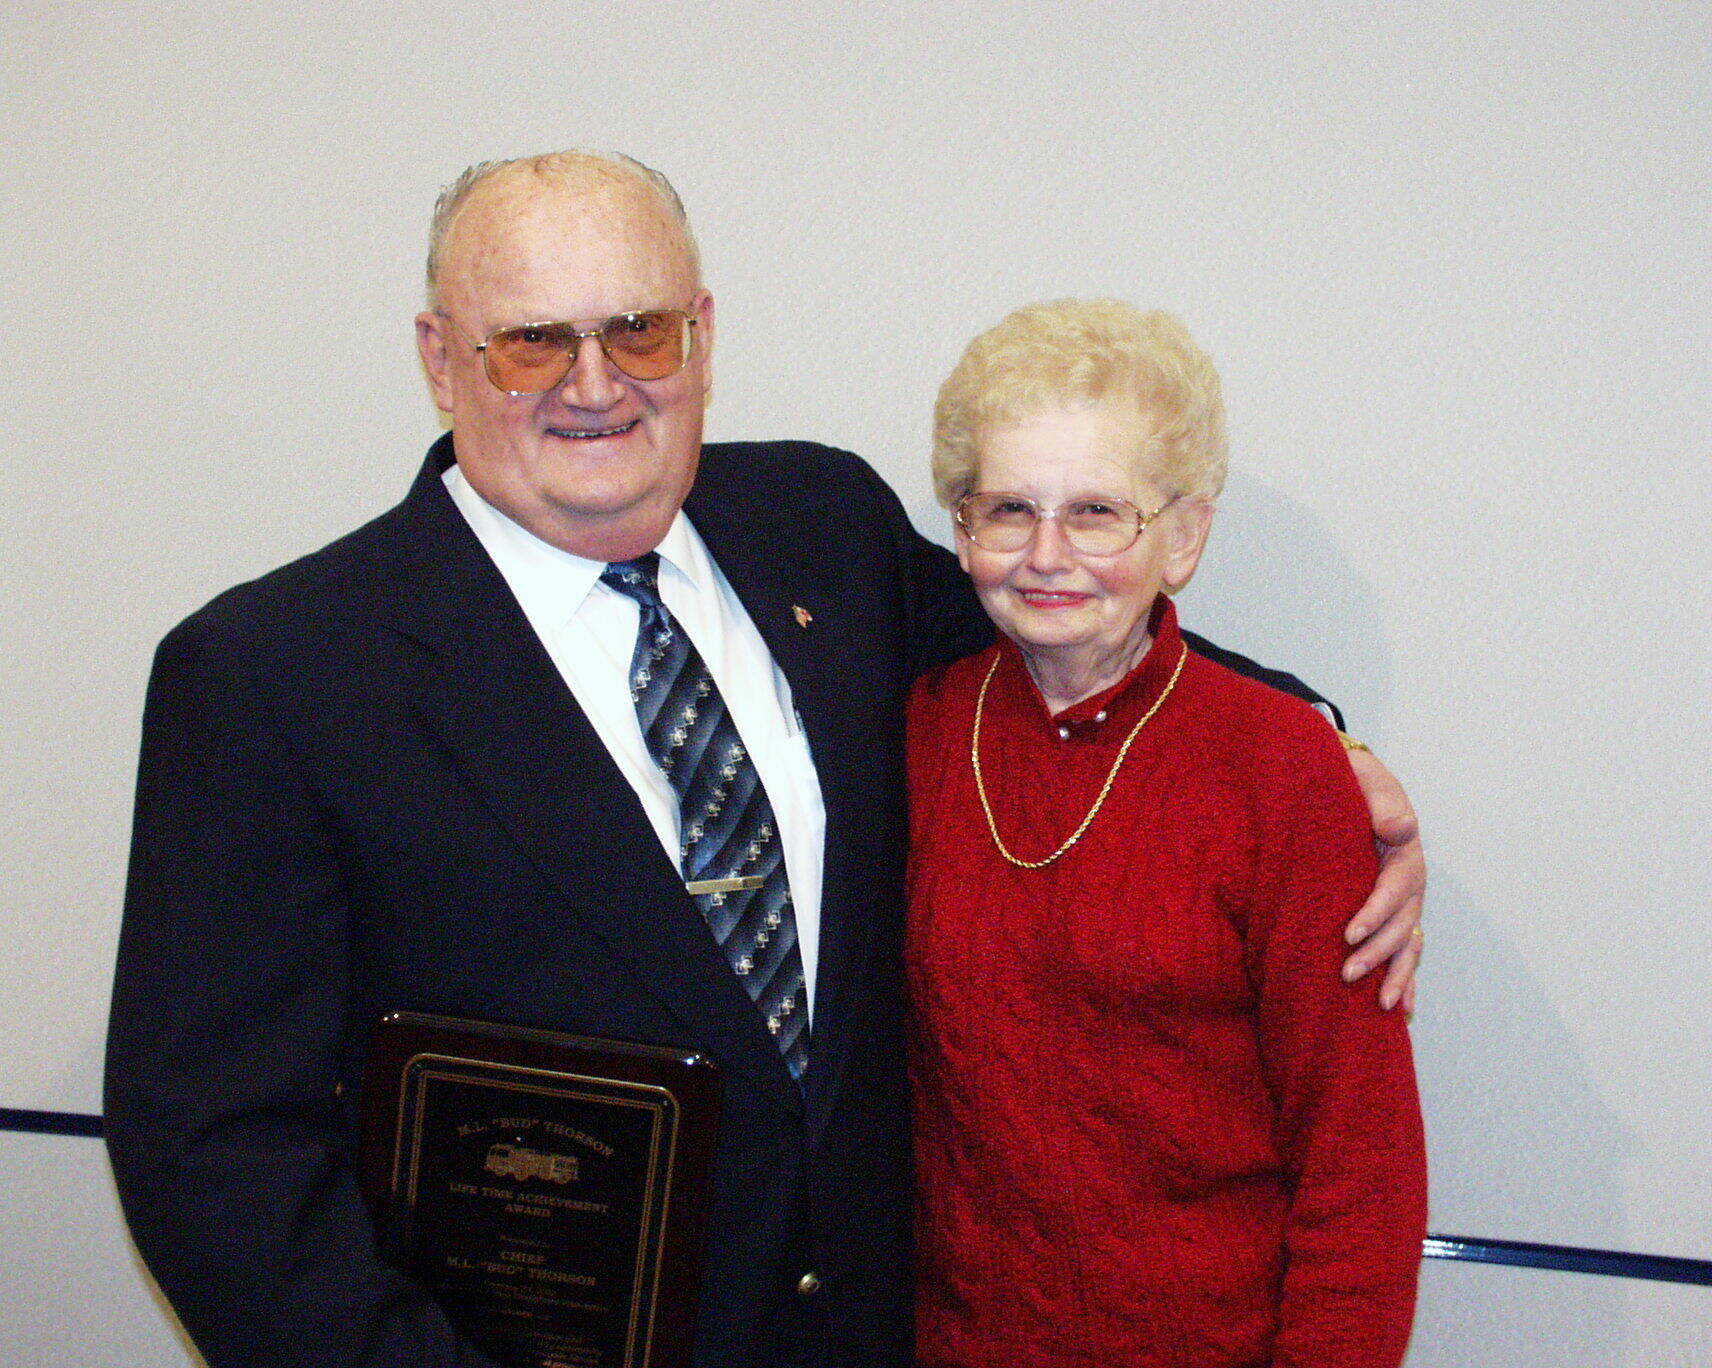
(1100, 802)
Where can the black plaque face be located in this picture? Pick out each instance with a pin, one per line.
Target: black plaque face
(548, 1190)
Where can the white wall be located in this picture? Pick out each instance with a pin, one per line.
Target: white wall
(1452, 259)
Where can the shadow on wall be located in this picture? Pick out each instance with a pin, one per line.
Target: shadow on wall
(1522, 1148)
(1275, 585)
(1520, 1144)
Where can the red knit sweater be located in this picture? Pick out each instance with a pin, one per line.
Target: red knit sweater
(1153, 1125)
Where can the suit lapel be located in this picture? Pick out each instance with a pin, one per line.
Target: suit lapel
(488, 688)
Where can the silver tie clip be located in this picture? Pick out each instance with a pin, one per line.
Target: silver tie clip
(737, 885)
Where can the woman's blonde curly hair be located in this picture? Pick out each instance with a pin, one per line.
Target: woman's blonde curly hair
(1068, 352)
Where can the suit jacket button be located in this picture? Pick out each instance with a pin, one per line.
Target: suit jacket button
(808, 1284)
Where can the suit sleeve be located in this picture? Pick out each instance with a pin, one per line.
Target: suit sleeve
(1340, 1070)
(1281, 680)
(228, 1136)
(944, 620)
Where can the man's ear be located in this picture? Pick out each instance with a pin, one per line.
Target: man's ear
(1186, 525)
(432, 345)
(702, 308)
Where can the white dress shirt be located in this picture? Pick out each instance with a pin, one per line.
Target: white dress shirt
(589, 631)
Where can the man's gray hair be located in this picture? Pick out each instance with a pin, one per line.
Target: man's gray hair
(570, 162)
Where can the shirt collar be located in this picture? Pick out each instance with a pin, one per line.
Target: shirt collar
(551, 584)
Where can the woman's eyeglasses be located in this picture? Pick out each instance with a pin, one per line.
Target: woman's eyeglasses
(1094, 526)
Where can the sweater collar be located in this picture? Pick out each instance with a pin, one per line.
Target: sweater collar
(1131, 695)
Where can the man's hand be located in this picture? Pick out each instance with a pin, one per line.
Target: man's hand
(1388, 927)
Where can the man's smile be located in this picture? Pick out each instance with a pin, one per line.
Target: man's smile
(586, 434)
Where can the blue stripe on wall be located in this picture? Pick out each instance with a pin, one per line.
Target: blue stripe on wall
(50, 1123)
(1568, 1259)
(1516, 1253)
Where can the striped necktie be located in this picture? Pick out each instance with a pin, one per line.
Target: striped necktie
(728, 844)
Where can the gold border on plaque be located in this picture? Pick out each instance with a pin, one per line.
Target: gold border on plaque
(663, 1104)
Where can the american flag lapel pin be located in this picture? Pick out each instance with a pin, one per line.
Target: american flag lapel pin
(802, 615)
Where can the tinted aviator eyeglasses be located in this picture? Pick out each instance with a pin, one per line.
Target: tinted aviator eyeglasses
(1094, 526)
(533, 358)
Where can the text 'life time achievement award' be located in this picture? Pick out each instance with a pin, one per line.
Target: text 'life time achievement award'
(549, 1190)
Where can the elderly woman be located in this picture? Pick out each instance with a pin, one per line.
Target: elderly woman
(1153, 1125)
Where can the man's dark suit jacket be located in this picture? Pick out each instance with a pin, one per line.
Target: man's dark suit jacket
(364, 788)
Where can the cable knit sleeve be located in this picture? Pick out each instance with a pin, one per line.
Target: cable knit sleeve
(1340, 1069)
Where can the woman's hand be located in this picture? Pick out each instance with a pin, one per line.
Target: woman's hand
(1388, 926)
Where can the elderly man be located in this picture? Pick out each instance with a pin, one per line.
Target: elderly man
(431, 768)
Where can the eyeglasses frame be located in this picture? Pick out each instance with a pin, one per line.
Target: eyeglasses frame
(575, 349)
(1142, 520)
